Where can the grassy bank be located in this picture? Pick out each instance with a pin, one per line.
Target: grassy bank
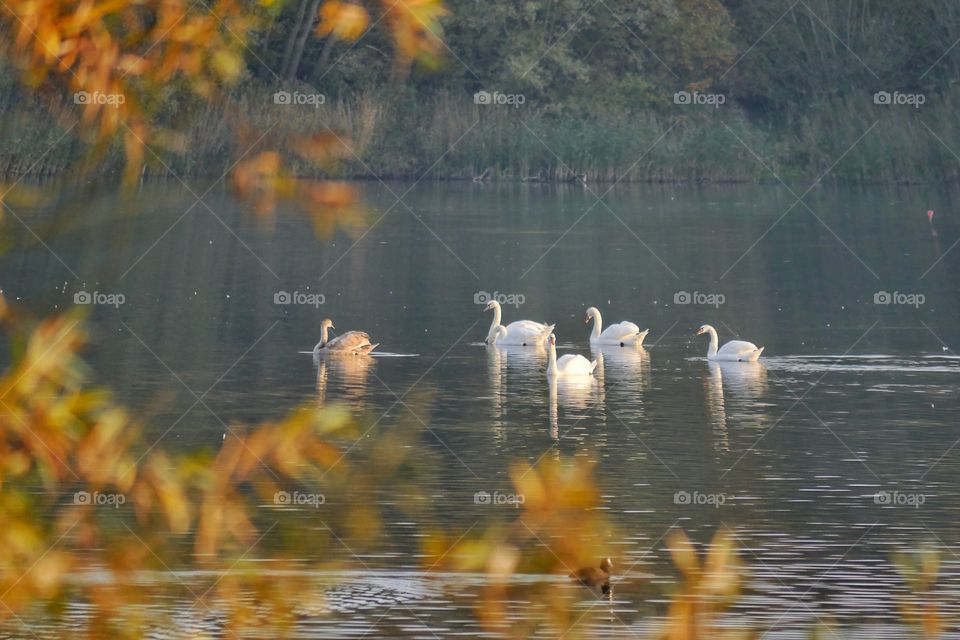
(396, 133)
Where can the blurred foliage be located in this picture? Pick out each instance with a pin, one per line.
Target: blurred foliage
(705, 591)
(798, 78)
(559, 529)
(129, 65)
(217, 528)
(920, 606)
(62, 443)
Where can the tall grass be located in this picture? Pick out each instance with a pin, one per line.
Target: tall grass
(394, 132)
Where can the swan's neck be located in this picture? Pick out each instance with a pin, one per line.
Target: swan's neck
(552, 362)
(323, 335)
(492, 334)
(714, 342)
(597, 324)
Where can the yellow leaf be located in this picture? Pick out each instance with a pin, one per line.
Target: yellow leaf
(227, 63)
(343, 20)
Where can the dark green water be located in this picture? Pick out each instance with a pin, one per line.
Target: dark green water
(835, 451)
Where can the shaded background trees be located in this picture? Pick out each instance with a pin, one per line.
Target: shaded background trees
(598, 79)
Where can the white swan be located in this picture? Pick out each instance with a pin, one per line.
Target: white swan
(354, 342)
(526, 333)
(624, 334)
(735, 350)
(569, 365)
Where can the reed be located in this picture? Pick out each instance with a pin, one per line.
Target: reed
(396, 132)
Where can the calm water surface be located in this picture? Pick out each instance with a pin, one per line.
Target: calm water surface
(836, 451)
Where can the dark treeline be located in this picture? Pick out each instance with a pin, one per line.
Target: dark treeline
(587, 88)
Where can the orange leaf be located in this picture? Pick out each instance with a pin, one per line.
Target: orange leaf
(343, 20)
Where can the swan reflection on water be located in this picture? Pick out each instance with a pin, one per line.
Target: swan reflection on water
(524, 359)
(576, 393)
(746, 384)
(625, 366)
(524, 363)
(347, 370)
(497, 374)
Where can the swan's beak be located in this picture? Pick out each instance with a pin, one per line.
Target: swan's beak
(700, 330)
(586, 319)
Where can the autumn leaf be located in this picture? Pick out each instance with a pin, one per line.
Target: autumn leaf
(343, 20)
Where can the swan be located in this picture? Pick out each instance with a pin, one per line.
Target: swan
(568, 365)
(624, 334)
(522, 332)
(355, 342)
(735, 350)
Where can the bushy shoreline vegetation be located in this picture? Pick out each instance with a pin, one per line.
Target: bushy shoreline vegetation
(597, 86)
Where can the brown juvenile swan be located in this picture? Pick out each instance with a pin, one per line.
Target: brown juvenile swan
(353, 342)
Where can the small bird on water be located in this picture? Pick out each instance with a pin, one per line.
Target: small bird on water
(593, 577)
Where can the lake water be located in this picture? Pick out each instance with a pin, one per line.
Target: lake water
(839, 449)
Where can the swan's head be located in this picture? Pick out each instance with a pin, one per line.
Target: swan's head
(327, 324)
(704, 329)
(592, 313)
(606, 565)
(493, 304)
(552, 340)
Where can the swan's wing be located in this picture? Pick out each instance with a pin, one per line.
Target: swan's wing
(527, 331)
(620, 330)
(571, 363)
(350, 341)
(527, 327)
(737, 348)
